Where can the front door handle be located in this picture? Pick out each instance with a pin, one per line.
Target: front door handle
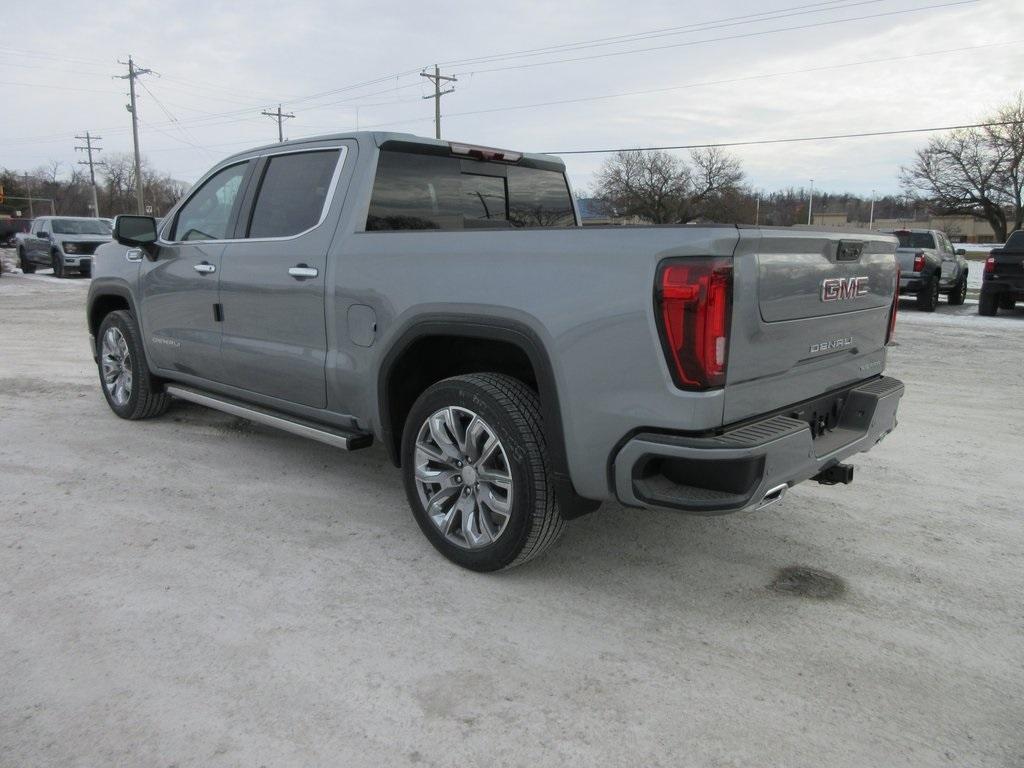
(204, 268)
(303, 271)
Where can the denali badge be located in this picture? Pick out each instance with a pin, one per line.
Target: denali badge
(831, 345)
(842, 288)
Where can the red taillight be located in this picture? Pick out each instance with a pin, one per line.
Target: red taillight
(919, 262)
(990, 265)
(694, 305)
(891, 332)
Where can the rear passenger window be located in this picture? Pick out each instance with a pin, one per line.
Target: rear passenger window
(292, 193)
(418, 191)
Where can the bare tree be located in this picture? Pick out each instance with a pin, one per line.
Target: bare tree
(663, 189)
(976, 171)
(652, 185)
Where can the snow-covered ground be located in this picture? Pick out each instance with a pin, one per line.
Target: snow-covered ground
(196, 590)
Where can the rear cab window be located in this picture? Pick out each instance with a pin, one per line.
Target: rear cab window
(915, 239)
(423, 190)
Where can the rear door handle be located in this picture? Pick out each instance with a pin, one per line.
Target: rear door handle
(303, 271)
(205, 268)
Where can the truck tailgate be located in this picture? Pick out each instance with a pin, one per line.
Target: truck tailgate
(810, 314)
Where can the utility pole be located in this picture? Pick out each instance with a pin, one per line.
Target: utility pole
(757, 210)
(134, 72)
(89, 149)
(31, 210)
(871, 216)
(280, 117)
(810, 204)
(436, 79)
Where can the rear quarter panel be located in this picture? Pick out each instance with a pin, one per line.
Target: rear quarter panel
(587, 294)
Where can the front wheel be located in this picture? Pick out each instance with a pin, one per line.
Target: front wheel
(26, 266)
(130, 391)
(476, 471)
(928, 296)
(959, 294)
(58, 264)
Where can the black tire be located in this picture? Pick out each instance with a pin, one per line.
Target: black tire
(26, 266)
(959, 293)
(58, 264)
(1007, 301)
(988, 304)
(928, 296)
(512, 411)
(147, 398)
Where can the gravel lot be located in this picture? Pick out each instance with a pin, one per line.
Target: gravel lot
(198, 591)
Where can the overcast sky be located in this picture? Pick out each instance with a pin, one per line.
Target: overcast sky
(720, 74)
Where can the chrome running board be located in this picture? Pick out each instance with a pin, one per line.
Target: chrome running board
(339, 438)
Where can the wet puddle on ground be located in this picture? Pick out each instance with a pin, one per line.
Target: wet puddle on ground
(803, 581)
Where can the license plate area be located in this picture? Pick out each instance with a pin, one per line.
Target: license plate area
(822, 414)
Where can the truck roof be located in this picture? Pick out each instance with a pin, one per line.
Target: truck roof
(379, 138)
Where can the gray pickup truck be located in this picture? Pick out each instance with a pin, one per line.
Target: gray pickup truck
(63, 243)
(443, 299)
(929, 266)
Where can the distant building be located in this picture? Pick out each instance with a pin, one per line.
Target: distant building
(959, 229)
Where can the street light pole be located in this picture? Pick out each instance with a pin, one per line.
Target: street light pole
(31, 210)
(871, 216)
(810, 204)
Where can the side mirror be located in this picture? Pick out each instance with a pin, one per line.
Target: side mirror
(135, 231)
(961, 251)
(43, 235)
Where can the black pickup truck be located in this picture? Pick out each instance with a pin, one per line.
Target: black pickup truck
(1003, 283)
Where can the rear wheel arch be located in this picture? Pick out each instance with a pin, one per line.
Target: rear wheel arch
(476, 345)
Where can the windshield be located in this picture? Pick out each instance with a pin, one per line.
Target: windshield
(80, 227)
(915, 239)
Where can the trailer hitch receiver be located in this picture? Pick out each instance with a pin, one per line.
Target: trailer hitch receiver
(837, 473)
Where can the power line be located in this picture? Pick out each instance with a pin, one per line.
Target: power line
(89, 148)
(436, 78)
(728, 81)
(723, 38)
(280, 117)
(133, 74)
(729, 21)
(723, 144)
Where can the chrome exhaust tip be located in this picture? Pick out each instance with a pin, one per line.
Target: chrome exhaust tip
(773, 496)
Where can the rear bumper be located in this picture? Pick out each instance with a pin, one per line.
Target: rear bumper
(911, 284)
(750, 466)
(1001, 285)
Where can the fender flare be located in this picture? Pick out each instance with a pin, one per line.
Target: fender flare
(571, 504)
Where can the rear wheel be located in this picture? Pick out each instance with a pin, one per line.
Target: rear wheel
(476, 472)
(130, 390)
(928, 296)
(26, 266)
(1007, 301)
(959, 293)
(988, 304)
(58, 264)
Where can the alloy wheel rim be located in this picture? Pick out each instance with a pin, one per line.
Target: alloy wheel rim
(463, 477)
(117, 366)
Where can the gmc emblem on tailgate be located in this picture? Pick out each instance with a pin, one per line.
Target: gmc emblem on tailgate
(843, 288)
